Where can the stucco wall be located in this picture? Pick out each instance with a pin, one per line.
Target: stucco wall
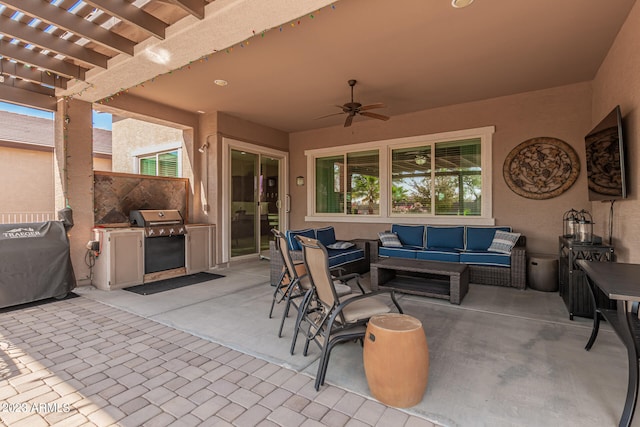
(26, 186)
(618, 83)
(102, 164)
(563, 113)
(131, 137)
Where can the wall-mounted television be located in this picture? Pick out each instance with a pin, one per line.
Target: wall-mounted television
(605, 159)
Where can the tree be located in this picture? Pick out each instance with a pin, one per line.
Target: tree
(368, 188)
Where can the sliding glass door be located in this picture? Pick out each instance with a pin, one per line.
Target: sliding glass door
(244, 203)
(255, 205)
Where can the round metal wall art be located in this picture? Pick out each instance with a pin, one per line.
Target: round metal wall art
(541, 168)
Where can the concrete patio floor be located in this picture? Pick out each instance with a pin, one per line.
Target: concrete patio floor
(208, 355)
(86, 362)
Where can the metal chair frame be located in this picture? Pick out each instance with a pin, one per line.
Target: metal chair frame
(323, 313)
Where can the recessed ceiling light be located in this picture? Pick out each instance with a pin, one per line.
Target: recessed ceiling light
(221, 82)
(461, 3)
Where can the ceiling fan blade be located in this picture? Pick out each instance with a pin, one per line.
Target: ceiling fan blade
(347, 122)
(372, 106)
(329, 115)
(375, 116)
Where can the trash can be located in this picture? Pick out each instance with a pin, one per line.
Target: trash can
(543, 273)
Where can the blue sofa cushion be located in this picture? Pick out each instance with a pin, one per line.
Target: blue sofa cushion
(294, 245)
(480, 238)
(439, 254)
(403, 252)
(445, 237)
(486, 258)
(409, 235)
(338, 257)
(326, 235)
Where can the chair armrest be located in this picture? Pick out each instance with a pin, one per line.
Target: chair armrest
(353, 299)
(519, 267)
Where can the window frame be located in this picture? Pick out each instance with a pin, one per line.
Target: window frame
(138, 156)
(384, 147)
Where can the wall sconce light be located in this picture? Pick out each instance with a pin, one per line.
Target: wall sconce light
(67, 119)
(300, 181)
(204, 147)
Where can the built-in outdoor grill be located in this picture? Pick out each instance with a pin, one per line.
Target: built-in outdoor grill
(164, 232)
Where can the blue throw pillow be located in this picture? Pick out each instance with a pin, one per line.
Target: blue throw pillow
(326, 235)
(480, 238)
(445, 237)
(410, 235)
(291, 238)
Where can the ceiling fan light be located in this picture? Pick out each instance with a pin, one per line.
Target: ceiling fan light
(420, 160)
(458, 4)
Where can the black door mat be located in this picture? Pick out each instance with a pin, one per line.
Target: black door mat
(173, 283)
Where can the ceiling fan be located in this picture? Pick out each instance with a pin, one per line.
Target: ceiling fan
(354, 108)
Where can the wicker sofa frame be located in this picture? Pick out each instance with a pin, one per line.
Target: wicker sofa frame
(514, 276)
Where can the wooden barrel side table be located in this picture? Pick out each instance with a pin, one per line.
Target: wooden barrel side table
(396, 359)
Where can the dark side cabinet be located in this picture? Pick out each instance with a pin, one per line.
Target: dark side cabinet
(572, 286)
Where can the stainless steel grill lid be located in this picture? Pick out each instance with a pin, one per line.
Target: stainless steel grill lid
(158, 223)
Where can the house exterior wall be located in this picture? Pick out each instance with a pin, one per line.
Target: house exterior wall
(618, 83)
(101, 164)
(132, 137)
(26, 186)
(563, 113)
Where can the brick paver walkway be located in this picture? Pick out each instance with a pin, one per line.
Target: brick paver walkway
(79, 362)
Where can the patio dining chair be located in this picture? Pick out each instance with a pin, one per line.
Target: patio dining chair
(293, 282)
(327, 318)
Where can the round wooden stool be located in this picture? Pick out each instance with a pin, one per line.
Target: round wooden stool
(396, 359)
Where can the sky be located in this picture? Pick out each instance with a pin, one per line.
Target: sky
(100, 120)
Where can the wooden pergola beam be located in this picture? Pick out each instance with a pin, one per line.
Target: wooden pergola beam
(72, 23)
(193, 7)
(133, 15)
(32, 74)
(49, 63)
(55, 44)
(32, 87)
(27, 98)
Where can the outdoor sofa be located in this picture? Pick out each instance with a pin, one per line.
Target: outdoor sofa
(495, 255)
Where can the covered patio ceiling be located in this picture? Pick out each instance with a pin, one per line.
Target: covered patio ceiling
(288, 62)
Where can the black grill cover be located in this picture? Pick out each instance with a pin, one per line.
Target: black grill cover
(35, 262)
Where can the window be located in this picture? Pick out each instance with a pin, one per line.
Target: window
(447, 183)
(166, 163)
(348, 184)
(443, 178)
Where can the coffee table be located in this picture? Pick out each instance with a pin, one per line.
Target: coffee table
(446, 280)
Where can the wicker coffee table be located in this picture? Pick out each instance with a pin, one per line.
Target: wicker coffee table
(446, 280)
